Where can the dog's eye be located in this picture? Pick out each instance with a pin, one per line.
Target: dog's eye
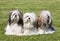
(13, 14)
(26, 16)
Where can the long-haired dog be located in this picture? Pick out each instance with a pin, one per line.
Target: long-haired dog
(29, 20)
(15, 24)
(45, 23)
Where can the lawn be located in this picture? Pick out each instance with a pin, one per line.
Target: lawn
(30, 6)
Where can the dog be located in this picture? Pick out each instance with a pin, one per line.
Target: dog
(45, 23)
(29, 20)
(15, 25)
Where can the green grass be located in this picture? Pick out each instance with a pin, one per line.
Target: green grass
(29, 6)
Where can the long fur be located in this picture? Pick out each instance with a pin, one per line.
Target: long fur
(29, 23)
(15, 25)
(44, 22)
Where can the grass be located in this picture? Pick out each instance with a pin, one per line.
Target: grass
(29, 6)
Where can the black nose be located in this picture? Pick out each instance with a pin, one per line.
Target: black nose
(29, 18)
(15, 15)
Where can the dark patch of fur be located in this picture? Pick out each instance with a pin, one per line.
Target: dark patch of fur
(48, 22)
(10, 18)
(44, 24)
(39, 24)
(48, 19)
(20, 22)
(36, 24)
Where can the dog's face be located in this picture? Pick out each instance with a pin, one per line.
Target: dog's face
(14, 16)
(44, 20)
(29, 17)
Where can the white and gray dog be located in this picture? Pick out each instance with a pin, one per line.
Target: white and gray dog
(15, 25)
(29, 20)
(45, 23)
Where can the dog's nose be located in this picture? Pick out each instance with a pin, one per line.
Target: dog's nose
(15, 15)
(29, 18)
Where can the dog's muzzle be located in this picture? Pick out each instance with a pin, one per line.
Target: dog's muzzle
(28, 20)
(15, 16)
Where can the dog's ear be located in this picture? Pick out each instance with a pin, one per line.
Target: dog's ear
(40, 22)
(49, 20)
(40, 19)
(10, 17)
(20, 22)
(21, 15)
(20, 18)
(50, 24)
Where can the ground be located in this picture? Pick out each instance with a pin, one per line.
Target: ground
(30, 6)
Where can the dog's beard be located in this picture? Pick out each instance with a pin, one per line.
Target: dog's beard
(28, 24)
(27, 21)
(15, 20)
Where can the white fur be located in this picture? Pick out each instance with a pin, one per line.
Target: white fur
(28, 25)
(16, 12)
(44, 14)
(14, 28)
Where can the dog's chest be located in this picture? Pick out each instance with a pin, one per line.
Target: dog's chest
(15, 28)
(28, 25)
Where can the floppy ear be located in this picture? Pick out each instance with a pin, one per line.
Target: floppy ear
(41, 22)
(50, 24)
(49, 21)
(20, 14)
(20, 19)
(10, 17)
(38, 19)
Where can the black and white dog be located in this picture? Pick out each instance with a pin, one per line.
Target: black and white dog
(15, 25)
